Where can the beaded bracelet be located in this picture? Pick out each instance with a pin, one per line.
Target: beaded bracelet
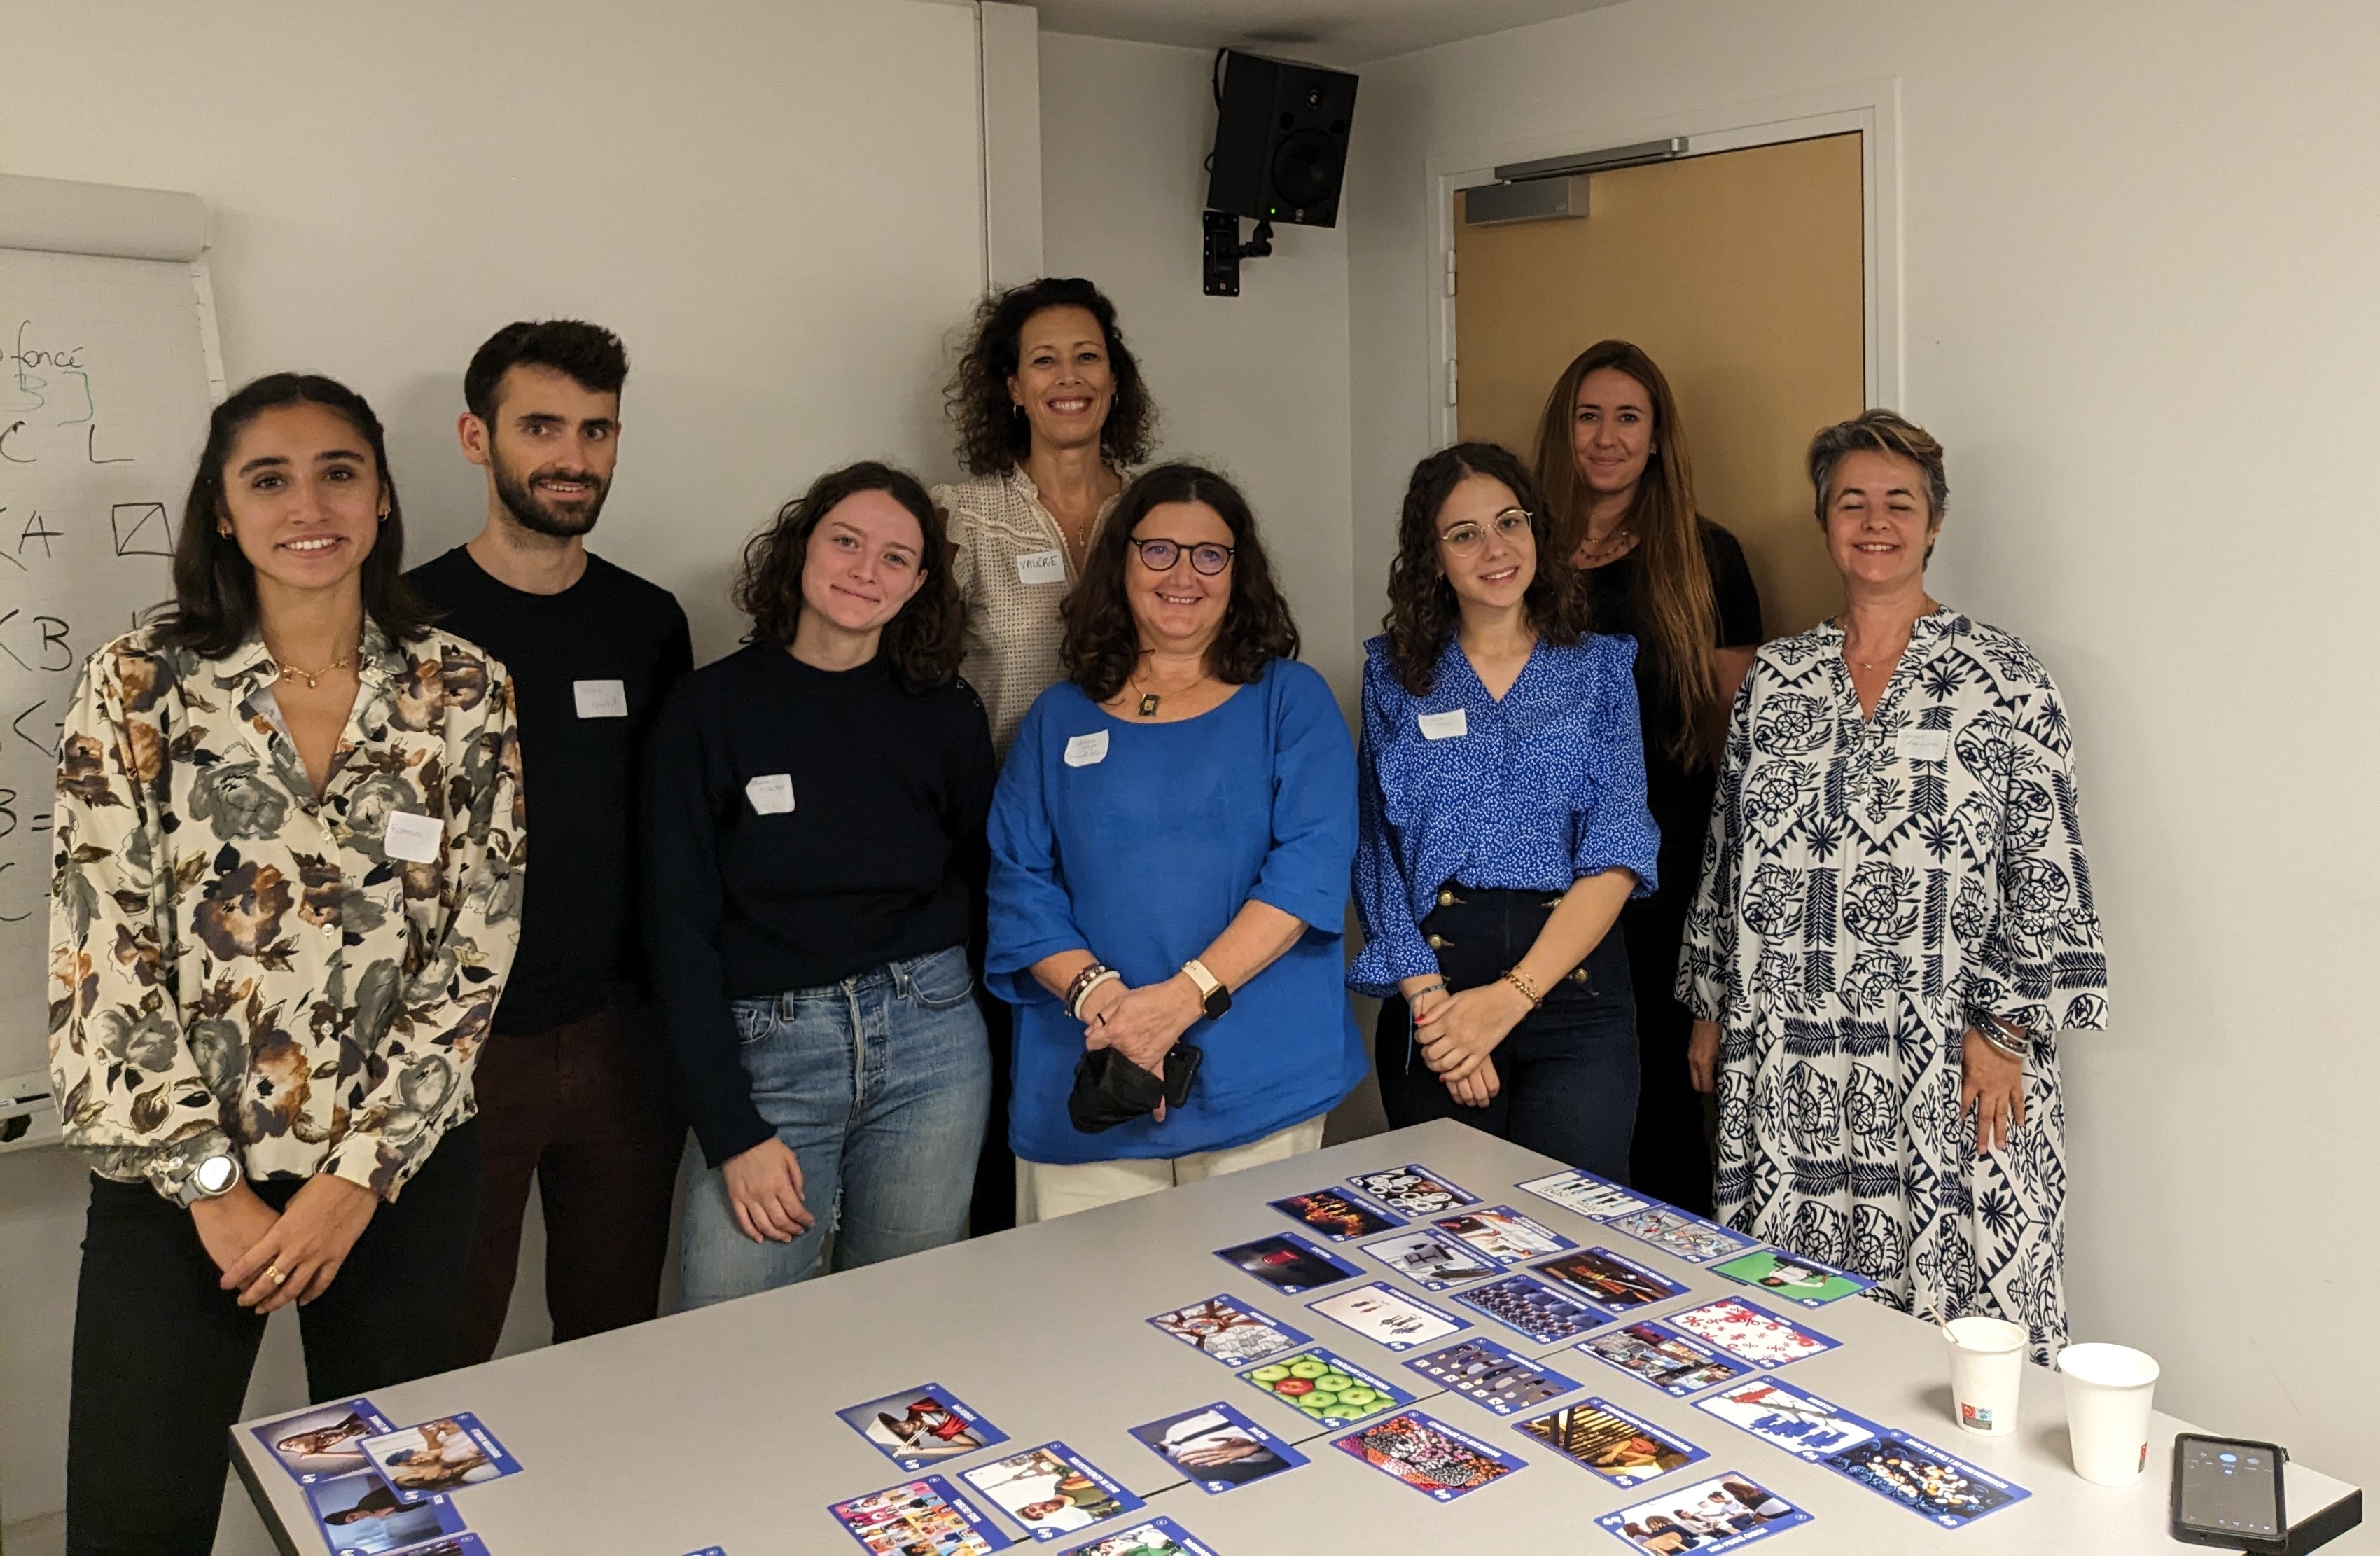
(1084, 982)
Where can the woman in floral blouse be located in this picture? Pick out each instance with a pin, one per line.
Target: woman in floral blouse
(289, 862)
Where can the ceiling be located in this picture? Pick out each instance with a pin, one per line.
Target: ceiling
(1330, 32)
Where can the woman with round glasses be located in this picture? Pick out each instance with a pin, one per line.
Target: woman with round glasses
(1171, 841)
(1503, 826)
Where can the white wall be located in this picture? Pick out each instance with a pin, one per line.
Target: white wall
(2140, 310)
(1257, 383)
(776, 203)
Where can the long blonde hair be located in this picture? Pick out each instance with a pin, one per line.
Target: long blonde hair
(1671, 593)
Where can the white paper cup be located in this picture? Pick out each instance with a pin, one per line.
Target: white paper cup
(2108, 1393)
(1986, 1367)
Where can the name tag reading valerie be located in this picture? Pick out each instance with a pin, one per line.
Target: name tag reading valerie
(1085, 750)
(772, 794)
(412, 838)
(600, 699)
(1448, 726)
(1925, 744)
(1041, 567)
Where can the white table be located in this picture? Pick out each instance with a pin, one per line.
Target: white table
(719, 1427)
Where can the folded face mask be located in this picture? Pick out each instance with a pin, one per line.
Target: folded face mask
(1110, 1090)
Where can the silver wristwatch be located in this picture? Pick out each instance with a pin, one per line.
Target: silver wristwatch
(210, 1179)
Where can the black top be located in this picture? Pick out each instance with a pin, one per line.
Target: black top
(804, 826)
(581, 764)
(1679, 798)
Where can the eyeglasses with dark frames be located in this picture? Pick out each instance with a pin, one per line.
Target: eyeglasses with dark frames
(1158, 554)
(1468, 537)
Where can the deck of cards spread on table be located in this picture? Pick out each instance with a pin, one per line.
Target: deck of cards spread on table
(1216, 1448)
(1231, 1331)
(442, 1455)
(1336, 1214)
(918, 1515)
(1052, 1491)
(1663, 1357)
(1793, 1277)
(1611, 1281)
(1412, 1190)
(1287, 1263)
(1159, 1537)
(922, 1426)
(1503, 1235)
(1584, 1193)
(1752, 1332)
(1430, 1260)
(1540, 1311)
(1333, 1390)
(1673, 1232)
(1485, 1373)
(1623, 1449)
(325, 1441)
(1708, 1517)
(1428, 1455)
(1382, 1314)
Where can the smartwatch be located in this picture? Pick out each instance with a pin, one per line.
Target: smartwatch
(210, 1179)
(1213, 998)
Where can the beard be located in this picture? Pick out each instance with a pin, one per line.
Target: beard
(541, 515)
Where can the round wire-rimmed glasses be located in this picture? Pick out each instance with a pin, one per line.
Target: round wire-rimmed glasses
(1159, 555)
(1468, 537)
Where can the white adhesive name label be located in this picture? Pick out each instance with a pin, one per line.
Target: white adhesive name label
(600, 699)
(772, 794)
(1448, 726)
(1041, 567)
(1085, 749)
(412, 838)
(1925, 744)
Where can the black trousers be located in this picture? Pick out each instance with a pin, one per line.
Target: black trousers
(1567, 1073)
(1671, 1158)
(161, 1354)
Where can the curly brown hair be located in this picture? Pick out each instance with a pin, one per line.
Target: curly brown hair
(923, 641)
(1422, 607)
(993, 438)
(1103, 643)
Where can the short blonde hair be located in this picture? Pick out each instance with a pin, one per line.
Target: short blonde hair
(1878, 431)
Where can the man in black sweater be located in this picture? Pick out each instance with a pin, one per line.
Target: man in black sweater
(576, 1086)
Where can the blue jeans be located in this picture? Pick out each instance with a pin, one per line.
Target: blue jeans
(1568, 1072)
(879, 1085)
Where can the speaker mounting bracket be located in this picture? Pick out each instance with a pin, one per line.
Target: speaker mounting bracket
(1224, 252)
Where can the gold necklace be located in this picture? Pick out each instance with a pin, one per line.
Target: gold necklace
(1595, 554)
(290, 672)
(1148, 699)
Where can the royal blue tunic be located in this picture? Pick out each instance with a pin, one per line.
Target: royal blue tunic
(1140, 841)
(1529, 793)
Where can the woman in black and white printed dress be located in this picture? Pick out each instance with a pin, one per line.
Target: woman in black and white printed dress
(1895, 925)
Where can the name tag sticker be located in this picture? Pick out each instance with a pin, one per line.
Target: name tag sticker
(1925, 744)
(1448, 726)
(1041, 567)
(600, 699)
(414, 839)
(772, 794)
(1083, 750)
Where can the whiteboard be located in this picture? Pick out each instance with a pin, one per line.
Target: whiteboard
(105, 387)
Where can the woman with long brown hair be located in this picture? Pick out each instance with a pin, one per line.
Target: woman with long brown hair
(815, 845)
(1613, 463)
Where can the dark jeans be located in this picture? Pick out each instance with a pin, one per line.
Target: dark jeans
(590, 1110)
(161, 1354)
(1671, 1158)
(1567, 1073)
(995, 1166)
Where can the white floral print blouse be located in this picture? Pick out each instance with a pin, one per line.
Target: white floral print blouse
(237, 965)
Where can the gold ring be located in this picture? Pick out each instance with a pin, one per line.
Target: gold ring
(273, 1273)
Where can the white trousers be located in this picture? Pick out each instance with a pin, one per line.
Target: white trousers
(1046, 1190)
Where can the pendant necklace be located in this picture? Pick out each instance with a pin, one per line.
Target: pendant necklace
(1148, 699)
(290, 672)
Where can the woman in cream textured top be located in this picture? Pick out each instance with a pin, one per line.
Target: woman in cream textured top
(1051, 411)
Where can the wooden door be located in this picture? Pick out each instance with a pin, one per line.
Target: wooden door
(1740, 272)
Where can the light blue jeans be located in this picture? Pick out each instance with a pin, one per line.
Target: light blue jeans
(879, 1085)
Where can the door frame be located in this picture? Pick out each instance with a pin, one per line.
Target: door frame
(1871, 107)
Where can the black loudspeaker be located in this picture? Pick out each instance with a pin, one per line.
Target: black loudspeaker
(1280, 141)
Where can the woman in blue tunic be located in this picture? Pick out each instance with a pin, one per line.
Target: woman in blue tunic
(1171, 844)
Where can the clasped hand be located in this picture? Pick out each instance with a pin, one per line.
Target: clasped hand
(304, 1244)
(1457, 1032)
(1142, 1024)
